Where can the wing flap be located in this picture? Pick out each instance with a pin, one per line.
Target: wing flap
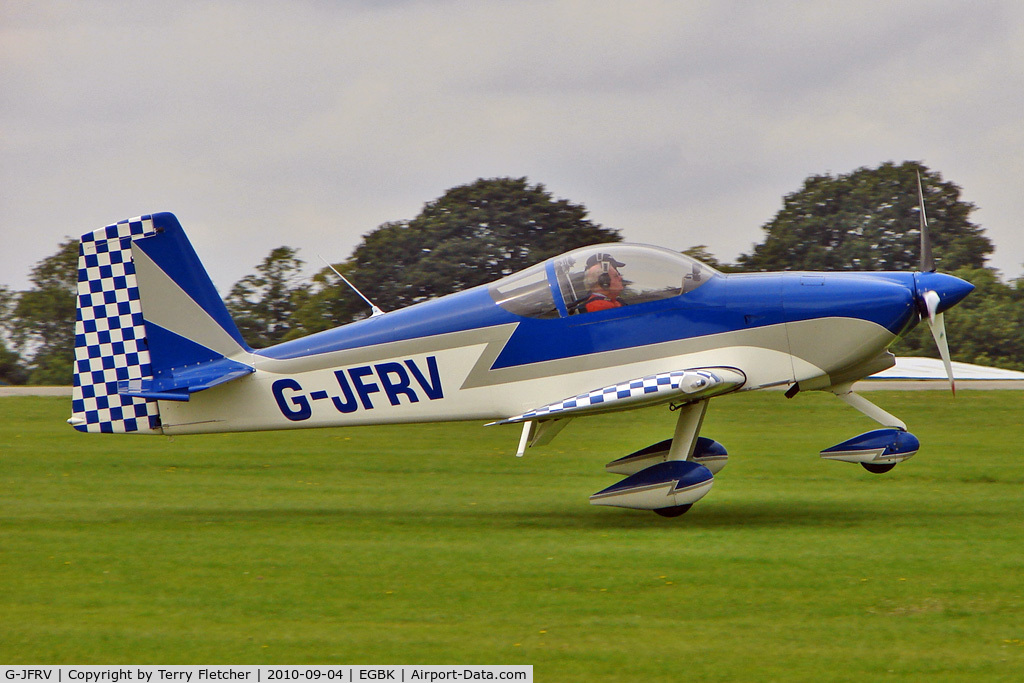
(688, 385)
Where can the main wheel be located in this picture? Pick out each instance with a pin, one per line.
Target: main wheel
(878, 467)
(674, 511)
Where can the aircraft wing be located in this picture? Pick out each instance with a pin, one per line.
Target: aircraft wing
(687, 386)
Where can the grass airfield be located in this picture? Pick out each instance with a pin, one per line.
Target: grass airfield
(432, 544)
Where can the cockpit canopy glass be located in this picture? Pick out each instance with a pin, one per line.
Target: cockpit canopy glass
(646, 274)
(527, 293)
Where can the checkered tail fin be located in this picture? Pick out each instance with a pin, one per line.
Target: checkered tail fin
(150, 327)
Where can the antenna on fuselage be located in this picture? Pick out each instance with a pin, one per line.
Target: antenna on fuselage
(374, 311)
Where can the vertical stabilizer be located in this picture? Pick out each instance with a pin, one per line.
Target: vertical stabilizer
(150, 327)
(187, 322)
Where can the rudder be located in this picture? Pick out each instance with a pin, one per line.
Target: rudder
(110, 344)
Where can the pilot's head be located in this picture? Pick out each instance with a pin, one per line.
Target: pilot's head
(602, 275)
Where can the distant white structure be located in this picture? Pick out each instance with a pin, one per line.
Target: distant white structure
(909, 368)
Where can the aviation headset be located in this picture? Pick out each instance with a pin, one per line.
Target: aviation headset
(604, 279)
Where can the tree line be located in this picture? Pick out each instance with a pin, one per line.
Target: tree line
(476, 233)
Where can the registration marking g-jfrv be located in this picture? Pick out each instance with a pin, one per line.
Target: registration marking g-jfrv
(399, 381)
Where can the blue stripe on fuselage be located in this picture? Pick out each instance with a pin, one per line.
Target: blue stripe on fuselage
(723, 304)
(701, 312)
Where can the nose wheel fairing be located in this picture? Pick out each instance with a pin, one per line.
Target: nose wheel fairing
(877, 447)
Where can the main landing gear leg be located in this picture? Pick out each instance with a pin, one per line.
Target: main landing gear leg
(669, 476)
(691, 417)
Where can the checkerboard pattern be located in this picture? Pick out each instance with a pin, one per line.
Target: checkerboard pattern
(110, 334)
(661, 383)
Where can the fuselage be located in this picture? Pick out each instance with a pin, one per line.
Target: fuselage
(500, 349)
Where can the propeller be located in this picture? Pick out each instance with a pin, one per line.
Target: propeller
(937, 325)
(927, 262)
(931, 298)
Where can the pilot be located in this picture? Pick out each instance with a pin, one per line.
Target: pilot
(604, 282)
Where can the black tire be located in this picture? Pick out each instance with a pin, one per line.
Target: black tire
(674, 511)
(878, 467)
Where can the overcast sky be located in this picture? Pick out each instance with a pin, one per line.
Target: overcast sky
(309, 124)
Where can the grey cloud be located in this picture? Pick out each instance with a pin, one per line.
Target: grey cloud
(309, 124)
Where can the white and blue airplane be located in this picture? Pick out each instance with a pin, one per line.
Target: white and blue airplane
(603, 328)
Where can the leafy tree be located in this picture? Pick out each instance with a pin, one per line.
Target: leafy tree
(701, 253)
(42, 322)
(471, 235)
(264, 304)
(869, 220)
(11, 369)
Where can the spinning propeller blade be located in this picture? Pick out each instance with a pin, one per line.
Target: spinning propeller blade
(936, 322)
(927, 262)
(937, 325)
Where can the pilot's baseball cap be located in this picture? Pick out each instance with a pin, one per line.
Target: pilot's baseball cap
(601, 257)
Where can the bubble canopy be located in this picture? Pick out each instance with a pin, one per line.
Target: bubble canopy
(560, 286)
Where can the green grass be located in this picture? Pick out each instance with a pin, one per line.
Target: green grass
(432, 544)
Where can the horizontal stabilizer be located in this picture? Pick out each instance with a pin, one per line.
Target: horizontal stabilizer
(180, 383)
(686, 385)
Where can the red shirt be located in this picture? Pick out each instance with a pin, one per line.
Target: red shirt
(599, 302)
